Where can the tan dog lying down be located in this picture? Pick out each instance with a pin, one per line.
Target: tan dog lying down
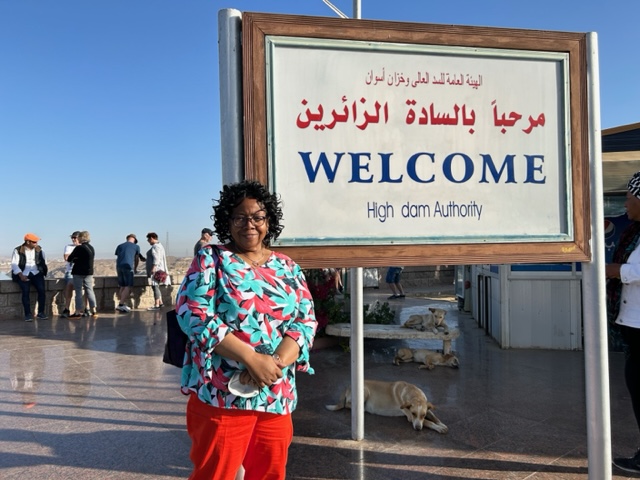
(429, 358)
(394, 399)
(431, 322)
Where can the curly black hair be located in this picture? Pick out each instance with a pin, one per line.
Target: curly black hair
(232, 195)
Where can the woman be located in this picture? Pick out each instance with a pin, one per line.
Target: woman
(623, 304)
(156, 261)
(247, 311)
(82, 258)
(68, 277)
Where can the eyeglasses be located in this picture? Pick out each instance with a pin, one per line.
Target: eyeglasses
(31, 241)
(241, 220)
(73, 238)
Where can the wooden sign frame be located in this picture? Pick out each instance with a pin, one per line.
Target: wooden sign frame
(258, 26)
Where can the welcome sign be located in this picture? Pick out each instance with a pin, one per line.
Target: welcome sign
(418, 141)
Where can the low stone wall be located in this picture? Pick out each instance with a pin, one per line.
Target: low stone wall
(428, 276)
(105, 288)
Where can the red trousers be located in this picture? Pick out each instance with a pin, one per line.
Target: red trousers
(222, 440)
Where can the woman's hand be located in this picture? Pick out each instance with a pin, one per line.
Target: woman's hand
(287, 352)
(263, 370)
(245, 377)
(612, 270)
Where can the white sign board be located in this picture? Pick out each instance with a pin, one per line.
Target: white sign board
(413, 141)
(390, 143)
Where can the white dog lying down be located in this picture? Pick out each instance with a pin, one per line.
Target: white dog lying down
(431, 322)
(394, 399)
(429, 358)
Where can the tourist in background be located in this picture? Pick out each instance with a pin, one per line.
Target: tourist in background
(249, 316)
(157, 270)
(393, 277)
(623, 305)
(205, 239)
(29, 267)
(334, 275)
(82, 258)
(127, 255)
(137, 260)
(68, 276)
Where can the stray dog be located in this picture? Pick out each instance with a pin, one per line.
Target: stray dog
(394, 399)
(429, 358)
(430, 321)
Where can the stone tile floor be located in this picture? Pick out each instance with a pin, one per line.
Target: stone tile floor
(91, 399)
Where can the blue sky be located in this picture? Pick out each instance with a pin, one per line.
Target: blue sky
(109, 111)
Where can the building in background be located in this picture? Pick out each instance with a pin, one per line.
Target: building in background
(540, 305)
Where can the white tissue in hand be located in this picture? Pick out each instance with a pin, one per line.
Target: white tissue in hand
(241, 390)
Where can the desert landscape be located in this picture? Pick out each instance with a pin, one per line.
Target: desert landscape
(107, 267)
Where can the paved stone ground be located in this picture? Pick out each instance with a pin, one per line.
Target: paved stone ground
(91, 399)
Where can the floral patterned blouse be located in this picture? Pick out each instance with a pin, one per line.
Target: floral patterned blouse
(260, 305)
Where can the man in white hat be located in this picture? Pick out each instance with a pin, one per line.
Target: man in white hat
(205, 239)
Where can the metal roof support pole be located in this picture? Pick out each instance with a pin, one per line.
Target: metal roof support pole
(357, 354)
(593, 295)
(357, 335)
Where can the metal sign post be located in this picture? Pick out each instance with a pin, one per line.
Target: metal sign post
(593, 295)
(230, 77)
(260, 33)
